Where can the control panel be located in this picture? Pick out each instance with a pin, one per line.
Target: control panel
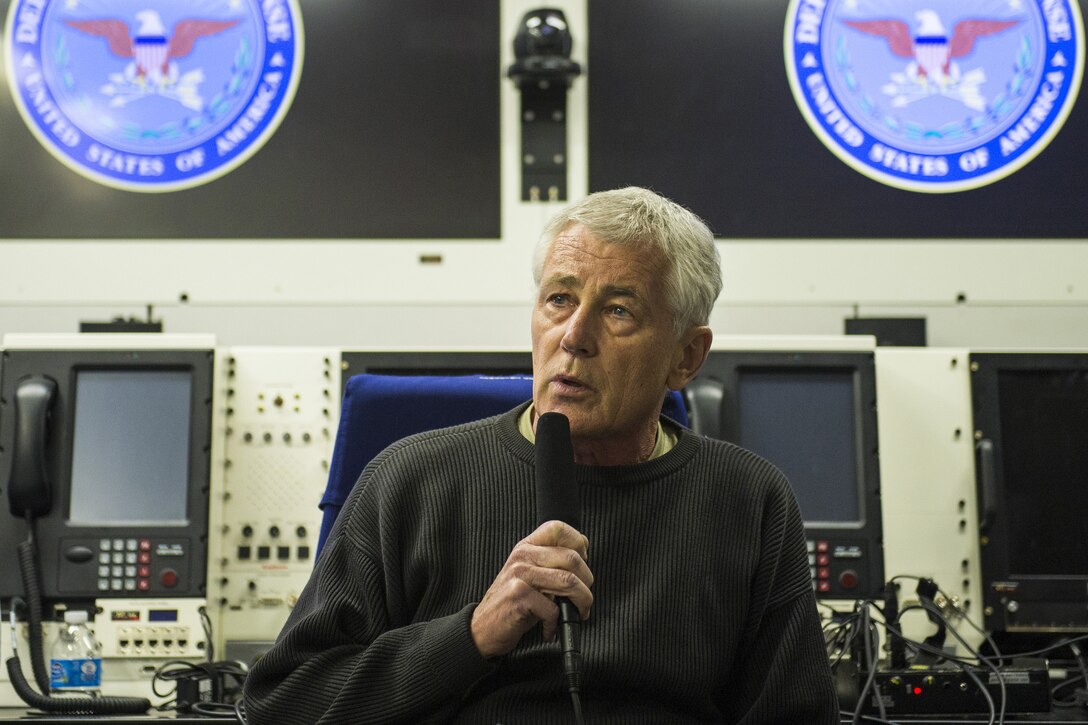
(131, 564)
(838, 566)
(282, 406)
(143, 628)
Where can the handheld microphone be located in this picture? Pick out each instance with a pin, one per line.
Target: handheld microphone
(556, 489)
(557, 499)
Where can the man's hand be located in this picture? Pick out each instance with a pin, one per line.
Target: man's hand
(548, 563)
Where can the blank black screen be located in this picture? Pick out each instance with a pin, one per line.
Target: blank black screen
(1044, 450)
(804, 421)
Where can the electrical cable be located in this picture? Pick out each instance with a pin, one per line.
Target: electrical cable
(576, 701)
(981, 658)
(206, 624)
(841, 633)
(961, 663)
(863, 615)
(872, 639)
(570, 624)
(28, 573)
(870, 666)
(1078, 699)
(1079, 655)
(223, 701)
(930, 607)
(64, 705)
(965, 667)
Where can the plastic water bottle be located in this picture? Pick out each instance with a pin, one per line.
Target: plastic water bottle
(76, 663)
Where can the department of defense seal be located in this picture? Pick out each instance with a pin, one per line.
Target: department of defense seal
(935, 95)
(153, 96)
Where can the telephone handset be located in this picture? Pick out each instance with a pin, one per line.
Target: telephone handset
(31, 496)
(29, 492)
(703, 397)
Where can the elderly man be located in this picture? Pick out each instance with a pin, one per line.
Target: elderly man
(434, 599)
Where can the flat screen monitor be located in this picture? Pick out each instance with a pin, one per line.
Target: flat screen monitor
(820, 452)
(122, 442)
(813, 415)
(1031, 426)
(130, 448)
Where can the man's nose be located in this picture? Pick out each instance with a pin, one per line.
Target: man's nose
(580, 336)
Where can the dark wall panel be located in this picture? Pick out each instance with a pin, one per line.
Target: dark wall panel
(691, 98)
(394, 132)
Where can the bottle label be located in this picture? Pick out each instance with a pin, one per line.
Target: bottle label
(75, 674)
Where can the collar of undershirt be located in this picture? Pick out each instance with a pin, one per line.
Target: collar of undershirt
(663, 443)
(509, 429)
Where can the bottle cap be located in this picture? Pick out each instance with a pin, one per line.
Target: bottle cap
(75, 616)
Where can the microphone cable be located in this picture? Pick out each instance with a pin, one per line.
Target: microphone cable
(570, 624)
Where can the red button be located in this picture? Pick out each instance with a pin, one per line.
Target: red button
(144, 571)
(143, 585)
(824, 586)
(848, 579)
(169, 578)
(144, 557)
(823, 573)
(823, 560)
(821, 547)
(145, 544)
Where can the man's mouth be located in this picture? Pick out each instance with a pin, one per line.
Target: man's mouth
(570, 382)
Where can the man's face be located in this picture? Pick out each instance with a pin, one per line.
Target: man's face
(603, 343)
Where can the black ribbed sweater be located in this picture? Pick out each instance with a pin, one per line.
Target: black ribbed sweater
(703, 607)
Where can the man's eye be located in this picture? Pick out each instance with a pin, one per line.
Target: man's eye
(619, 311)
(558, 299)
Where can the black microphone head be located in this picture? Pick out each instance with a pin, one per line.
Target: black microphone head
(556, 487)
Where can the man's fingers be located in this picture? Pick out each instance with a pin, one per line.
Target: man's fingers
(554, 557)
(556, 583)
(557, 533)
(508, 610)
(549, 563)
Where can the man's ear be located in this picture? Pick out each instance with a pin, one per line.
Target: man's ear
(693, 348)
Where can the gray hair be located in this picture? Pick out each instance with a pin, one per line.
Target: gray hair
(639, 217)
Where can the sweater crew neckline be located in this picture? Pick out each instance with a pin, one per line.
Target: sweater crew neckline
(506, 428)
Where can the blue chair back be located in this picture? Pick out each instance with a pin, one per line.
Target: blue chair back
(378, 410)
